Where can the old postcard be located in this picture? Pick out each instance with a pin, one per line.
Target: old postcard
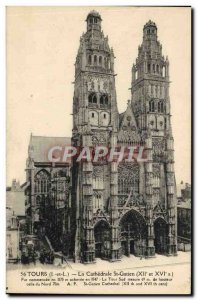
(98, 150)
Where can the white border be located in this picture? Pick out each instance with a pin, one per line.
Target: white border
(3, 5)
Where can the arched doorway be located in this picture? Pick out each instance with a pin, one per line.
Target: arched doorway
(161, 233)
(133, 233)
(102, 239)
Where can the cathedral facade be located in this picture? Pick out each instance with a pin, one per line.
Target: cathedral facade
(114, 208)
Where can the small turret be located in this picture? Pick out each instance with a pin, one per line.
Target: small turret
(93, 21)
(150, 31)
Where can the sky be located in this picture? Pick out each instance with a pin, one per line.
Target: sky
(42, 44)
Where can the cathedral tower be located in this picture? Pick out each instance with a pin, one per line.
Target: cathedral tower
(94, 101)
(95, 122)
(151, 107)
(122, 208)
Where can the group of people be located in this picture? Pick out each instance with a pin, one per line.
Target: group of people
(46, 256)
(30, 255)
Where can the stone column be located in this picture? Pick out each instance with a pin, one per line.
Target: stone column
(115, 230)
(87, 230)
(171, 199)
(150, 249)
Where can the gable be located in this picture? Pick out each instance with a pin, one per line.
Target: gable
(128, 131)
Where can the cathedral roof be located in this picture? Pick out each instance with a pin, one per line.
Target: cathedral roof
(42, 144)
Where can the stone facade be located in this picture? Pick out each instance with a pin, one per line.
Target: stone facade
(107, 222)
(119, 208)
(47, 192)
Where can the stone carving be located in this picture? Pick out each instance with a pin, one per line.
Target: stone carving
(159, 211)
(136, 200)
(156, 170)
(170, 179)
(42, 175)
(98, 171)
(105, 85)
(158, 145)
(99, 139)
(128, 178)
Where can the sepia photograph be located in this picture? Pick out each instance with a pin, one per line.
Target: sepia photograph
(98, 129)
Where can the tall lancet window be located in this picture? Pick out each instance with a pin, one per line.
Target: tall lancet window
(95, 60)
(89, 59)
(128, 178)
(152, 106)
(42, 181)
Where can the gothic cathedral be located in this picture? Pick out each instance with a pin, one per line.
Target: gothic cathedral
(120, 208)
(109, 208)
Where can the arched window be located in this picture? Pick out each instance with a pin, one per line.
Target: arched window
(152, 106)
(92, 98)
(42, 180)
(89, 59)
(105, 62)
(153, 68)
(42, 186)
(91, 20)
(95, 60)
(160, 106)
(104, 99)
(128, 179)
(100, 60)
(109, 64)
(163, 71)
(148, 68)
(157, 68)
